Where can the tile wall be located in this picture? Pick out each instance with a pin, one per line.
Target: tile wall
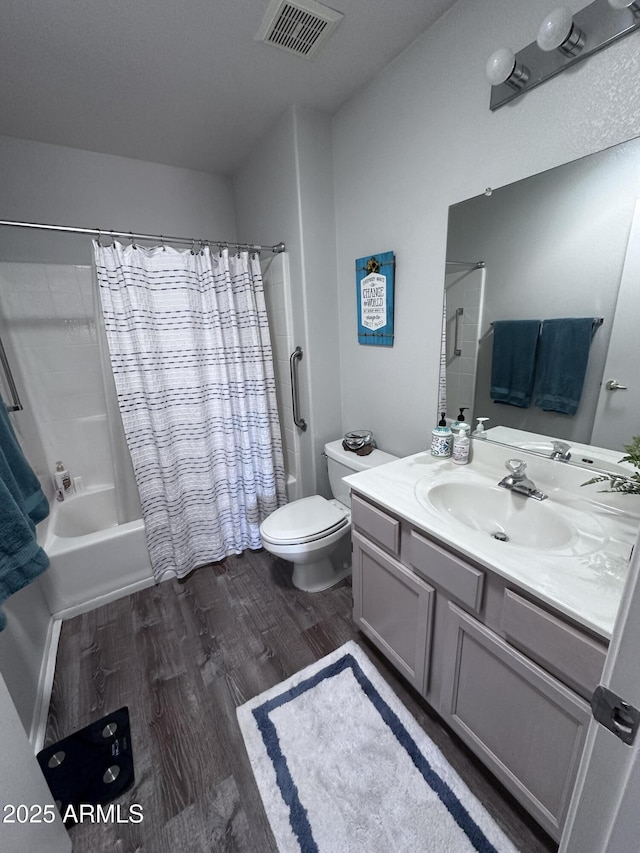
(463, 290)
(48, 312)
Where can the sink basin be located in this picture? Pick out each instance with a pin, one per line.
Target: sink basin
(501, 514)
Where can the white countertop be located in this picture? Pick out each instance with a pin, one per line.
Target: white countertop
(585, 583)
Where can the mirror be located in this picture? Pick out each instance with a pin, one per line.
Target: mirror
(564, 243)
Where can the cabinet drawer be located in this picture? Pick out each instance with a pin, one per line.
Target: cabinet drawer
(565, 651)
(376, 524)
(452, 574)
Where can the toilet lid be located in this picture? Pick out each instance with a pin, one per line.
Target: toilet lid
(303, 521)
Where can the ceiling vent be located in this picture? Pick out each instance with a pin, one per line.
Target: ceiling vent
(299, 27)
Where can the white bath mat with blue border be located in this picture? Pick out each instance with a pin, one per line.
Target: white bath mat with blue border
(343, 767)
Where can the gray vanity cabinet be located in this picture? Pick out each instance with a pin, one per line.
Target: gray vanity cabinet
(527, 727)
(510, 676)
(394, 609)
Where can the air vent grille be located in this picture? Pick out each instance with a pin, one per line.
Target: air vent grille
(301, 27)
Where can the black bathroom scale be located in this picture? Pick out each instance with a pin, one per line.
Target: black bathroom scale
(91, 766)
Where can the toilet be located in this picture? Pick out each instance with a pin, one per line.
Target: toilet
(314, 533)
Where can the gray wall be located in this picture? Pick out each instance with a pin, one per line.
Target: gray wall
(422, 137)
(64, 186)
(285, 192)
(22, 647)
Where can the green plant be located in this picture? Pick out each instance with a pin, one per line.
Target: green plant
(626, 485)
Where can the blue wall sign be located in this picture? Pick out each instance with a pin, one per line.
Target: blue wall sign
(374, 295)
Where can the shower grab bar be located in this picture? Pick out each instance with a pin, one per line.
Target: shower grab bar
(17, 405)
(456, 348)
(296, 355)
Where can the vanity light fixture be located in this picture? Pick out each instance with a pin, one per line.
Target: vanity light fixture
(563, 39)
(626, 4)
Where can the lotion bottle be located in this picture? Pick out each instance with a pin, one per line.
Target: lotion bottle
(63, 480)
(461, 444)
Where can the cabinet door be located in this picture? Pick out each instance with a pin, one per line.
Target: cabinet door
(526, 726)
(394, 609)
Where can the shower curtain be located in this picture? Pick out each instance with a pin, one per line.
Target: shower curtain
(191, 356)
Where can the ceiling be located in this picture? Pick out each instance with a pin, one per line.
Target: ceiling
(181, 82)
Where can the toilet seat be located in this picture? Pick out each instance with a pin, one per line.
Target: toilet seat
(304, 520)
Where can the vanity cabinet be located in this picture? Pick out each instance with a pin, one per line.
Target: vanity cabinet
(394, 609)
(525, 725)
(512, 678)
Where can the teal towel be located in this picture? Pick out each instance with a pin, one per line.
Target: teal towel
(513, 362)
(563, 353)
(22, 506)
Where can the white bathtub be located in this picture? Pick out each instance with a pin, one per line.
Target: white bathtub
(93, 559)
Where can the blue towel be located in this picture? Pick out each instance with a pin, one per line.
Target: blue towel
(514, 359)
(22, 506)
(563, 353)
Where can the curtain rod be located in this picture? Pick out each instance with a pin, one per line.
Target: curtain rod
(98, 232)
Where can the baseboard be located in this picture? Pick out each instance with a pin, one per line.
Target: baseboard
(98, 601)
(45, 685)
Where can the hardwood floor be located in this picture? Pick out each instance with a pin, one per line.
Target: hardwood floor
(182, 657)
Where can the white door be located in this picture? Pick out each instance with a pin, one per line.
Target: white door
(35, 825)
(604, 816)
(618, 413)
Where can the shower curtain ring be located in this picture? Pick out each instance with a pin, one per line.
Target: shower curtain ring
(164, 248)
(113, 239)
(193, 247)
(133, 242)
(99, 236)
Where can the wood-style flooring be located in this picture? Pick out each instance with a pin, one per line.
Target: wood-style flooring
(182, 657)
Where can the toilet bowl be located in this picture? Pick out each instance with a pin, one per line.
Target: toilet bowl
(314, 533)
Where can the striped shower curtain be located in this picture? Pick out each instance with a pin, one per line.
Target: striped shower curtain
(191, 357)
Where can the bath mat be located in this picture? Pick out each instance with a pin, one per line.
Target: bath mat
(341, 765)
(91, 766)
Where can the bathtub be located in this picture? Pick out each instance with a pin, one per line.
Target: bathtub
(93, 559)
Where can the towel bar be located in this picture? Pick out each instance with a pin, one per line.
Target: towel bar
(15, 397)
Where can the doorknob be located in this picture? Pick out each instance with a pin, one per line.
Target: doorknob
(614, 385)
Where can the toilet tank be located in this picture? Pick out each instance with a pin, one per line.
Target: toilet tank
(341, 463)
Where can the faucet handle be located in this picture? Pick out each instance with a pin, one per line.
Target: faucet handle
(516, 468)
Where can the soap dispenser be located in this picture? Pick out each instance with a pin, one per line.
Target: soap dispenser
(441, 438)
(461, 444)
(479, 430)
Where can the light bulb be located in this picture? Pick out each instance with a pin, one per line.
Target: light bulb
(502, 67)
(558, 32)
(555, 29)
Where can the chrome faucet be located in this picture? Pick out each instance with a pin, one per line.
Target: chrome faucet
(561, 451)
(517, 481)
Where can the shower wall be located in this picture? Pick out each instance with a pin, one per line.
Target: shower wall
(48, 315)
(465, 290)
(277, 292)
